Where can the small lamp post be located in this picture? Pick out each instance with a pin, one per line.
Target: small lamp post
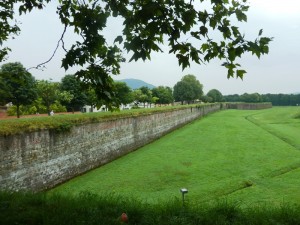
(183, 192)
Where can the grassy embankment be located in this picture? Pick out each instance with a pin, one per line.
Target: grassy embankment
(250, 159)
(230, 154)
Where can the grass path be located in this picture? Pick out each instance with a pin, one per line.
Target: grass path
(232, 154)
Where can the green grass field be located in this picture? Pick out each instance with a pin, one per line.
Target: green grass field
(247, 157)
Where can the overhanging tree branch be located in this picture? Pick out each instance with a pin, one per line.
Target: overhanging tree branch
(55, 50)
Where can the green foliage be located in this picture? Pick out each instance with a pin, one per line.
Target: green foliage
(74, 87)
(18, 86)
(283, 99)
(275, 99)
(62, 127)
(147, 25)
(23, 110)
(215, 95)
(255, 97)
(146, 96)
(48, 93)
(164, 95)
(123, 93)
(142, 95)
(57, 107)
(188, 89)
(206, 99)
(91, 98)
(36, 108)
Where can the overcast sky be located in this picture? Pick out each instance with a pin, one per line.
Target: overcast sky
(277, 72)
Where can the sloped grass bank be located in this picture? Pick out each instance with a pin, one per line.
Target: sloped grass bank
(283, 122)
(91, 209)
(223, 156)
(282, 184)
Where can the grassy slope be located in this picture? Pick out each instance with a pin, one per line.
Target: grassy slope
(281, 122)
(281, 186)
(215, 157)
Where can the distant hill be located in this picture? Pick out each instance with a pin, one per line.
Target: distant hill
(135, 83)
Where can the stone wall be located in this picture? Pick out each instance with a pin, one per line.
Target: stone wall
(249, 106)
(42, 159)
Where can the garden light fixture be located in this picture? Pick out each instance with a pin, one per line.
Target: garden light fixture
(183, 191)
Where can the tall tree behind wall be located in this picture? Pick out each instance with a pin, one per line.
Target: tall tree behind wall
(18, 85)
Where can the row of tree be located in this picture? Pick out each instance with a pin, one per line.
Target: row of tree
(275, 99)
(30, 96)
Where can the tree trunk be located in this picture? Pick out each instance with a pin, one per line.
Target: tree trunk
(18, 111)
(48, 109)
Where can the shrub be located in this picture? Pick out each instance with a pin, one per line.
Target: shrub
(57, 107)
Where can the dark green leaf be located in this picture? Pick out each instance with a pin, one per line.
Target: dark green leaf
(240, 15)
(231, 54)
(119, 39)
(240, 73)
(203, 30)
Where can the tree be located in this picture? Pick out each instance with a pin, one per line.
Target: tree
(147, 95)
(188, 89)
(91, 98)
(205, 99)
(123, 93)
(138, 96)
(74, 86)
(232, 98)
(215, 95)
(275, 99)
(18, 86)
(147, 24)
(48, 93)
(255, 97)
(4, 92)
(164, 95)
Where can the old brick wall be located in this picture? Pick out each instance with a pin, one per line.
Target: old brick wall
(249, 106)
(40, 160)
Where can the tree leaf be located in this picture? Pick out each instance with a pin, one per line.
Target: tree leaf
(203, 30)
(119, 39)
(240, 73)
